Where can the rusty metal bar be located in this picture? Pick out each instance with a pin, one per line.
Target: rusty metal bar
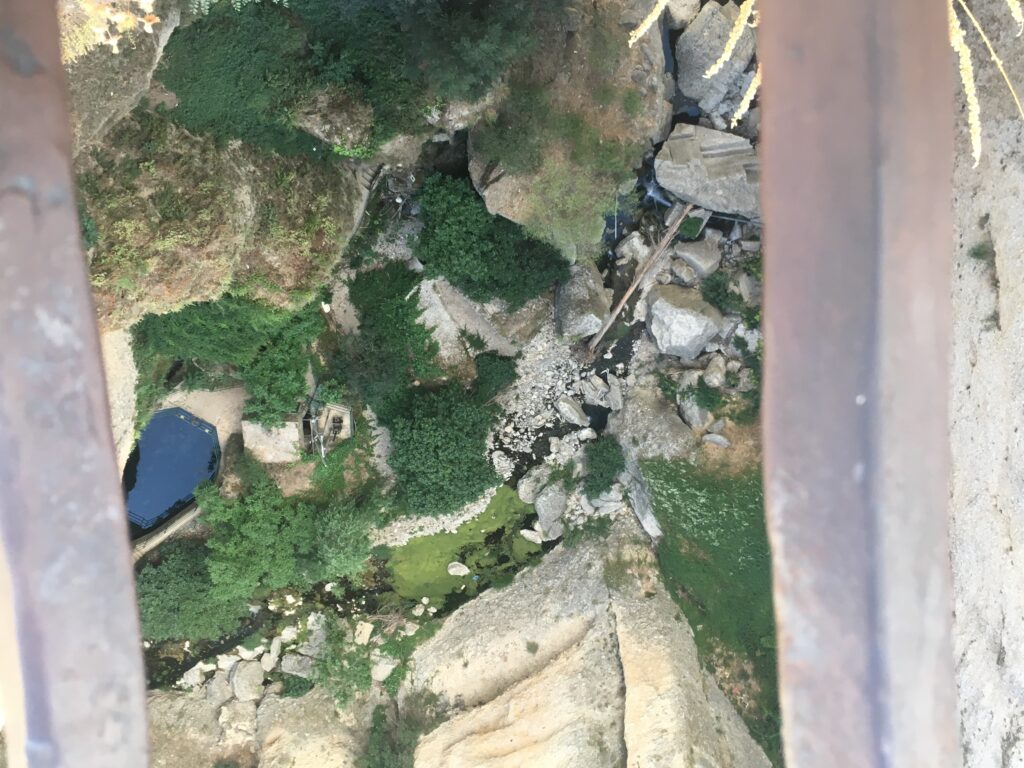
(70, 659)
(856, 190)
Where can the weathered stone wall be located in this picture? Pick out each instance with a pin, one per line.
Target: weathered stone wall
(987, 413)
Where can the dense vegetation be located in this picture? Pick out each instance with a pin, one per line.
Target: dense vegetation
(715, 560)
(266, 347)
(605, 462)
(242, 73)
(484, 255)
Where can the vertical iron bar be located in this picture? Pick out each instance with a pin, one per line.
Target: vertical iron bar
(856, 189)
(70, 658)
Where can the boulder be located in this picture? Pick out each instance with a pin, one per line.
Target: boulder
(581, 303)
(696, 417)
(363, 633)
(532, 482)
(247, 681)
(218, 689)
(648, 426)
(550, 505)
(614, 393)
(382, 668)
(750, 289)
(718, 440)
(269, 659)
(572, 411)
(298, 665)
(237, 723)
(710, 168)
(458, 569)
(272, 445)
(683, 273)
(714, 373)
(633, 248)
(183, 729)
(680, 321)
(700, 46)
(703, 256)
(679, 13)
(306, 732)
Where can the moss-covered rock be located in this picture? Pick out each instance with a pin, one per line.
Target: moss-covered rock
(176, 219)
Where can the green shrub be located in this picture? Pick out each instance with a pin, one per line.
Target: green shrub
(267, 346)
(706, 396)
(394, 745)
(259, 541)
(176, 598)
(493, 374)
(716, 291)
(236, 75)
(604, 464)
(716, 562)
(484, 255)
(342, 669)
(293, 686)
(439, 450)
(343, 539)
(391, 350)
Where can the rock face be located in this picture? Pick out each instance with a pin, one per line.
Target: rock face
(104, 87)
(336, 118)
(581, 303)
(121, 375)
(713, 169)
(699, 47)
(680, 321)
(588, 676)
(987, 420)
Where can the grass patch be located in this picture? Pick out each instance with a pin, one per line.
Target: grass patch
(489, 545)
(716, 563)
(717, 291)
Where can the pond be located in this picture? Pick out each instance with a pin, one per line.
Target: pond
(175, 453)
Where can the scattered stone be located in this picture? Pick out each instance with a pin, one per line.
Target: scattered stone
(270, 658)
(295, 664)
(700, 46)
(711, 168)
(581, 303)
(289, 634)
(364, 629)
(594, 389)
(247, 681)
(227, 661)
(717, 426)
(703, 256)
(532, 536)
(195, 676)
(316, 638)
(733, 366)
(712, 439)
(714, 373)
(218, 689)
(550, 505)
(572, 411)
(681, 322)
(250, 654)
(458, 569)
(586, 434)
(418, 609)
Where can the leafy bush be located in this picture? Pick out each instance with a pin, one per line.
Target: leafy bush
(484, 255)
(717, 291)
(392, 350)
(439, 450)
(604, 464)
(343, 668)
(343, 540)
(706, 396)
(394, 746)
(493, 374)
(267, 346)
(259, 541)
(236, 74)
(176, 597)
(716, 562)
